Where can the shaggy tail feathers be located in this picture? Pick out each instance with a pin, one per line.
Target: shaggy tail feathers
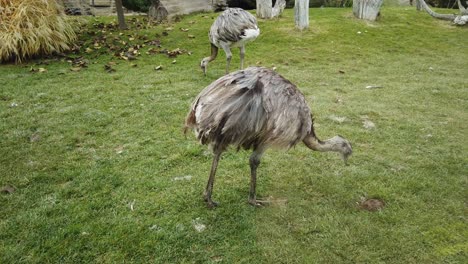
(190, 121)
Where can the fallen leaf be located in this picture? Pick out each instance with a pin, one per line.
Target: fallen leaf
(119, 149)
(155, 42)
(158, 68)
(181, 178)
(217, 258)
(367, 124)
(338, 100)
(174, 61)
(198, 225)
(35, 137)
(174, 53)
(338, 119)
(191, 36)
(128, 56)
(131, 205)
(109, 68)
(155, 227)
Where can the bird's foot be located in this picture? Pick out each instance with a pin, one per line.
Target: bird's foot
(259, 203)
(210, 203)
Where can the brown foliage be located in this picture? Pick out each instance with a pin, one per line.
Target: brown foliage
(33, 27)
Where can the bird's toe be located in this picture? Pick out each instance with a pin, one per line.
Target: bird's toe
(258, 203)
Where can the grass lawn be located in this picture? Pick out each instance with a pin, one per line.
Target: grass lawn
(102, 172)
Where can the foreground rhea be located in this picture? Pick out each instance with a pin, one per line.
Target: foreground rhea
(233, 28)
(255, 108)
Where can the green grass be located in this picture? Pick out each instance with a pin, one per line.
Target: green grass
(82, 147)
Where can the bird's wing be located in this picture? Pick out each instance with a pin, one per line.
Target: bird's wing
(289, 116)
(253, 106)
(229, 107)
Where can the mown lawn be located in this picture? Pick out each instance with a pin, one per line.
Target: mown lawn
(103, 173)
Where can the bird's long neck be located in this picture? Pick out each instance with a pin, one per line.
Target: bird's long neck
(335, 144)
(316, 144)
(214, 53)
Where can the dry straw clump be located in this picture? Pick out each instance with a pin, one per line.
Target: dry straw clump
(33, 27)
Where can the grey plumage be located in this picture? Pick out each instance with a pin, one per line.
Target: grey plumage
(233, 28)
(255, 108)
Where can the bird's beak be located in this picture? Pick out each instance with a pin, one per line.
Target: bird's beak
(345, 157)
(204, 70)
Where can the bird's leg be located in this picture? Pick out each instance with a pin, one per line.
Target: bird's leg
(242, 54)
(228, 52)
(254, 162)
(209, 186)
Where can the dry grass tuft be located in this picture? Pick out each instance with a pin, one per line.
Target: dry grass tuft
(33, 27)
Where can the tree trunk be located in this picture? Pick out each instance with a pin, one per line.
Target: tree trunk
(278, 8)
(301, 14)
(367, 9)
(418, 5)
(264, 9)
(120, 14)
(157, 11)
(463, 10)
(458, 20)
(449, 17)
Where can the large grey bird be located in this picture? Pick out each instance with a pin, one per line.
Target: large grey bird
(255, 108)
(233, 28)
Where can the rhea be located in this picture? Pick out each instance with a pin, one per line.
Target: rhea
(255, 108)
(233, 28)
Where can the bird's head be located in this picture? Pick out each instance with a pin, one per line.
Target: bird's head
(343, 146)
(204, 64)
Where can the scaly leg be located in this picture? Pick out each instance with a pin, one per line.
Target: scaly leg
(254, 162)
(209, 186)
(228, 52)
(242, 55)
